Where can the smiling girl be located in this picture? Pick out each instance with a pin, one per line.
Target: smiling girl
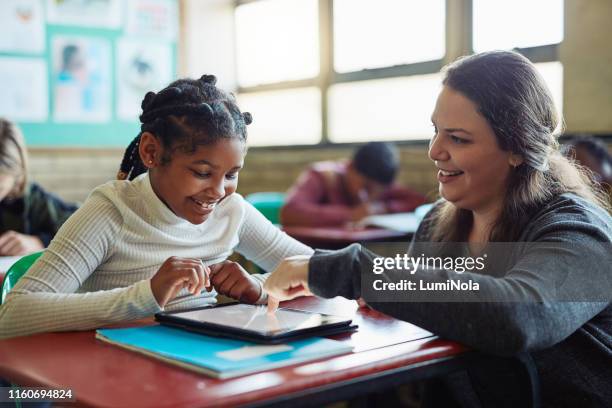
(502, 179)
(159, 236)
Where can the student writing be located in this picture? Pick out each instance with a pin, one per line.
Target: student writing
(339, 192)
(29, 216)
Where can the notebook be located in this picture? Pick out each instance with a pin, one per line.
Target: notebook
(215, 356)
(402, 222)
(407, 222)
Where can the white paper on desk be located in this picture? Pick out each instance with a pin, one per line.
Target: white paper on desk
(248, 352)
(7, 261)
(403, 222)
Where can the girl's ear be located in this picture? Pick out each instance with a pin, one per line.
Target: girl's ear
(149, 149)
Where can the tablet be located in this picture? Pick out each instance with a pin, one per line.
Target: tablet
(253, 323)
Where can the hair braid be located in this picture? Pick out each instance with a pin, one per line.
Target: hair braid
(130, 162)
(186, 113)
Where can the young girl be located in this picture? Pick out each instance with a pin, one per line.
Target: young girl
(29, 216)
(502, 179)
(152, 243)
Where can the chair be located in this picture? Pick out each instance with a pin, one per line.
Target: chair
(268, 203)
(16, 271)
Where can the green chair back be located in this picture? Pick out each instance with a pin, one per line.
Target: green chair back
(268, 203)
(16, 271)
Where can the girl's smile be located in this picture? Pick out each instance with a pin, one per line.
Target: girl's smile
(204, 207)
(193, 184)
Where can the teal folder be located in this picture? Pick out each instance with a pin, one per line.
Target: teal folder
(216, 356)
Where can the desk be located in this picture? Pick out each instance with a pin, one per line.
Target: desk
(338, 237)
(387, 352)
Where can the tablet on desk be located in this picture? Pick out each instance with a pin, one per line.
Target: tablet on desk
(253, 323)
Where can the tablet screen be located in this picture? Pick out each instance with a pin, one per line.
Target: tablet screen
(255, 318)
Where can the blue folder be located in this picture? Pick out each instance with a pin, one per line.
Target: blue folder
(216, 356)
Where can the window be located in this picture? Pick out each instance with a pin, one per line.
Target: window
(361, 26)
(385, 109)
(552, 72)
(502, 24)
(285, 117)
(318, 71)
(277, 40)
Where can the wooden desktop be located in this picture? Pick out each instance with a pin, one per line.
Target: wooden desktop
(386, 352)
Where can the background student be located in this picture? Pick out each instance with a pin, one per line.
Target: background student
(502, 179)
(159, 236)
(29, 216)
(594, 155)
(339, 192)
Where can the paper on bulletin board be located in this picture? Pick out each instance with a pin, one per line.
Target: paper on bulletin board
(25, 96)
(141, 67)
(152, 18)
(81, 79)
(22, 26)
(98, 13)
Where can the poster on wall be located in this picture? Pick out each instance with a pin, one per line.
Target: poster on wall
(81, 79)
(22, 26)
(87, 13)
(141, 67)
(24, 89)
(152, 18)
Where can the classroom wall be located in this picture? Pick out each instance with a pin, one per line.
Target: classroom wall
(119, 62)
(73, 173)
(587, 107)
(586, 55)
(276, 170)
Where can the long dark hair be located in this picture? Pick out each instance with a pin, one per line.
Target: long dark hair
(513, 98)
(186, 114)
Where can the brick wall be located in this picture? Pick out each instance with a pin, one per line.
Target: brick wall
(72, 173)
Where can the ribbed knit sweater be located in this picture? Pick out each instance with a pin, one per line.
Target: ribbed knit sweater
(570, 342)
(97, 269)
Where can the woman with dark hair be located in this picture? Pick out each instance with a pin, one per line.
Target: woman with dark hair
(546, 293)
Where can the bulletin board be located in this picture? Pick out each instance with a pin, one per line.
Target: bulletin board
(73, 72)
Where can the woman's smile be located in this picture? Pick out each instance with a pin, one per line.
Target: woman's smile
(446, 176)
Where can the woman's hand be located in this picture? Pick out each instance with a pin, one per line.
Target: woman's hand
(230, 279)
(178, 273)
(13, 243)
(289, 280)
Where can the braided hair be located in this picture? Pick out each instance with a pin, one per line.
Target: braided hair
(186, 114)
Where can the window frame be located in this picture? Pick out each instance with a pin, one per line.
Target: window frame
(458, 41)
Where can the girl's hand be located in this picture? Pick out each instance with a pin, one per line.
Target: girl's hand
(230, 279)
(289, 280)
(13, 243)
(178, 273)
